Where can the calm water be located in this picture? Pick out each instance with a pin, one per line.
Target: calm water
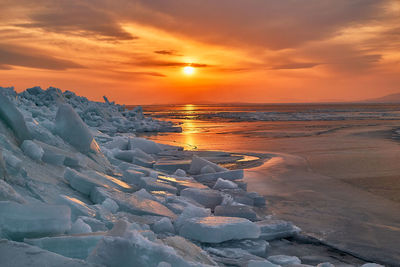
(337, 173)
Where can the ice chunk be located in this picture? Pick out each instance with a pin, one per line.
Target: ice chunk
(198, 163)
(216, 229)
(224, 184)
(78, 208)
(163, 226)
(180, 173)
(261, 263)
(21, 254)
(133, 177)
(284, 259)
(371, 265)
(135, 250)
(207, 169)
(72, 129)
(206, 197)
(110, 205)
(79, 246)
(172, 165)
(151, 185)
(188, 250)
(80, 227)
(145, 145)
(164, 264)
(8, 193)
(236, 211)
(226, 175)
(111, 181)
(131, 203)
(32, 150)
(95, 224)
(256, 247)
(189, 212)
(119, 142)
(182, 182)
(274, 229)
(13, 118)
(33, 220)
(328, 264)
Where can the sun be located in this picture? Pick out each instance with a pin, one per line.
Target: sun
(188, 70)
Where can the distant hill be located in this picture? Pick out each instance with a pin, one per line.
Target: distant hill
(392, 98)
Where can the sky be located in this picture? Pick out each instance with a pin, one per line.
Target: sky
(135, 52)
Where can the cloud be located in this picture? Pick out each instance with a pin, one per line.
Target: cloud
(157, 63)
(295, 65)
(28, 57)
(167, 52)
(78, 18)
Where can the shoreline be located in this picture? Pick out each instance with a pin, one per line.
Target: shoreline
(283, 166)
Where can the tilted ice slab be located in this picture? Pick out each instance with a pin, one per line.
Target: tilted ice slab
(131, 203)
(137, 251)
(236, 211)
(13, 118)
(20, 254)
(206, 197)
(274, 229)
(216, 229)
(198, 163)
(19, 221)
(78, 246)
(72, 129)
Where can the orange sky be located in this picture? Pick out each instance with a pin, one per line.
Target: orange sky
(242, 51)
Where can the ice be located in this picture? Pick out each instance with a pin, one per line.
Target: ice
(110, 205)
(133, 177)
(119, 142)
(224, 184)
(145, 145)
(198, 163)
(32, 150)
(236, 211)
(81, 182)
(13, 118)
(77, 246)
(180, 173)
(78, 208)
(80, 227)
(254, 246)
(72, 129)
(8, 193)
(164, 264)
(232, 256)
(284, 260)
(261, 263)
(135, 250)
(226, 175)
(371, 265)
(172, 165)
(216, 229)
(207, 169)
(163, 226)
(142, 193)
(206, 197)
(328, 264)
(275, 229)
(188, 250)
(191, 211)
(19, 221)
(131, 203)
(20, 254)
(151, 185)
(181, 182)
(110, 181)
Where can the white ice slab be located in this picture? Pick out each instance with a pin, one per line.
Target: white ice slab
(216, 229)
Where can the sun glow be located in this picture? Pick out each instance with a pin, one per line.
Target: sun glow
(188, 70)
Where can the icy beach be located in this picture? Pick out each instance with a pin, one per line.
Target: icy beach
(80, 187)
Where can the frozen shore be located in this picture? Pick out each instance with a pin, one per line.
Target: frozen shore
(78, 188)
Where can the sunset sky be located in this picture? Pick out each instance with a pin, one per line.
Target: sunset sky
(135, 52)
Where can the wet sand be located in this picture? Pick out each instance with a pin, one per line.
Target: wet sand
(342, 188)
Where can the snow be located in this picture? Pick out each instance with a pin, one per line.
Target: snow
(206, 197)
(18, 221)
(219, 229)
